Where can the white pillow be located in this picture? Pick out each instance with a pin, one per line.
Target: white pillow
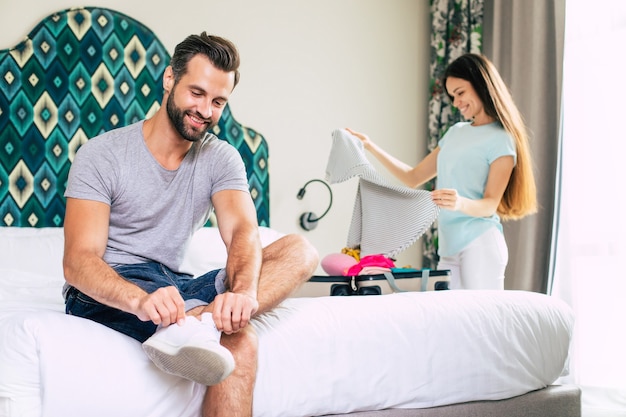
(39, 251)
(207, 252)
(32, 250)
(27, 290)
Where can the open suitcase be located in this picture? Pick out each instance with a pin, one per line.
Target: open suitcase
(375, 284)
(387, 218)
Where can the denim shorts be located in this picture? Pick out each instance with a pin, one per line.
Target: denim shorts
(149, 276)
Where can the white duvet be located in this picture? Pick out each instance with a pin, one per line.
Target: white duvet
(317, 355)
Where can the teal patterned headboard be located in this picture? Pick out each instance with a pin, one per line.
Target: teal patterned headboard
(78, 73)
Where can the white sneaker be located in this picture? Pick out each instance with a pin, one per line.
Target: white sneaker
(192, 351)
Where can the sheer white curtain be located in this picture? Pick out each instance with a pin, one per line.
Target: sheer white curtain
(590, 261)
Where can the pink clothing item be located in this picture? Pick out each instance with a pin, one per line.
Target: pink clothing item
(370, 260)
(337, 263)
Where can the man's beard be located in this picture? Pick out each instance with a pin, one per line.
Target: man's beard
(177, 116)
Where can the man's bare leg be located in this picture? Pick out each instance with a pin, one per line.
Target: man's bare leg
(233, 396)
(287, 264)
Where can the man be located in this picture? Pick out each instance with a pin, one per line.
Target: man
(136, 195)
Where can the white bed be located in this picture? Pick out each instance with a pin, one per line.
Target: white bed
(440, 353)
(318, 356)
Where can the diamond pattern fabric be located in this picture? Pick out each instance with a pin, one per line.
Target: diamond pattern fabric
(78, 73)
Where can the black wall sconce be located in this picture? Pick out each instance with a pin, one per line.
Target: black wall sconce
(308, 220)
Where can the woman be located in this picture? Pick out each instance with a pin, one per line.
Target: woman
(484, 174)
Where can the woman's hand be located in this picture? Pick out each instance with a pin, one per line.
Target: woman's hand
(499, 174)
(410, 176)
(365, 140)
(447, 198)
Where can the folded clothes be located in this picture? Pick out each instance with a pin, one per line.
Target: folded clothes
(371, 261)
(374, 270)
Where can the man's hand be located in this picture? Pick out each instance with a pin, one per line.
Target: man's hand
(232, 311)
(164, 306)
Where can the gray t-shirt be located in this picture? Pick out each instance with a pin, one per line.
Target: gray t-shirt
(154, 211)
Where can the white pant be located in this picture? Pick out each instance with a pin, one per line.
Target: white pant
(481, 265)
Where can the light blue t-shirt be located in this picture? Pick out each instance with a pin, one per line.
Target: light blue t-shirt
(154, 211)
(465, 155)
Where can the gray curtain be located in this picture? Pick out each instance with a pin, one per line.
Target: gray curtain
(524, 39)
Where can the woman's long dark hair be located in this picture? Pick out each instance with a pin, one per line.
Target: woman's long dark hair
(520, 196)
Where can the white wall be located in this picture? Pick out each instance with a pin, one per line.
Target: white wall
(308, 67)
